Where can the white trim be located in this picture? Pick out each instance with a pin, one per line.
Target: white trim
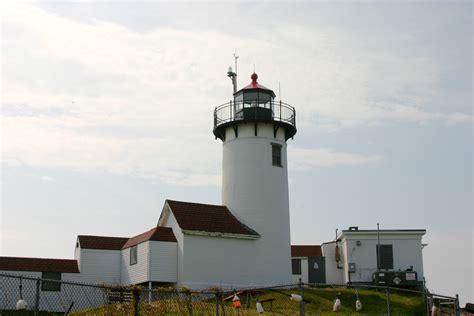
(218, 234)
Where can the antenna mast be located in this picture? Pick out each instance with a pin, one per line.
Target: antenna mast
(235, 58)
(233, 75)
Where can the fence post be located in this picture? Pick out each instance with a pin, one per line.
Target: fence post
(136, 301)
(37, 297)
(149, 292)
(388, 300)
(217, 303)
(301, 288)
(457, 309)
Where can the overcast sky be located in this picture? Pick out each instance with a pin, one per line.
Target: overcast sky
(107, 111)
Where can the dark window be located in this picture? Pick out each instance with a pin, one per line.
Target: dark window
(51, 285)
(296, 266)
(276, 155)
(133, 255)
(385, 257)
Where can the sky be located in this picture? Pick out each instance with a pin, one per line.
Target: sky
(107, 111)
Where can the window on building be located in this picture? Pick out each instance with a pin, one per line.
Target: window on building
(385, 257)
(296, 266)
(51, 285)
(133, 255)
(276, 155)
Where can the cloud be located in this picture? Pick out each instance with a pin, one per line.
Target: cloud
(97, 95)
(42, 142)
(302, 159)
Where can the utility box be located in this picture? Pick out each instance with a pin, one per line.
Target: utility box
(407, 279)
(352, 267)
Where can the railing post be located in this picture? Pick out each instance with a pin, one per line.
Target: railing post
(215, 117)
(280, 110)
(37, 297)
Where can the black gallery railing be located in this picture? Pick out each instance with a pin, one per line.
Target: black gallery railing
(254, 111)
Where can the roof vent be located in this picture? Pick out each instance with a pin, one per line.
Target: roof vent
(354, 228)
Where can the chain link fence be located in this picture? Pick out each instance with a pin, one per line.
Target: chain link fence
(49, 297)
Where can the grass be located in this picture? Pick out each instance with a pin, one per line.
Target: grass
(319, 302)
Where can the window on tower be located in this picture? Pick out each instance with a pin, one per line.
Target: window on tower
(276, 155)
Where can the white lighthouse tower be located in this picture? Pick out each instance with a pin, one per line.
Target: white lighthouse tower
(254, 129)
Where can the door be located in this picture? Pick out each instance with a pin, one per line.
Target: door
(317, 270)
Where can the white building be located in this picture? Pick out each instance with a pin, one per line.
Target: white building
(354, 258)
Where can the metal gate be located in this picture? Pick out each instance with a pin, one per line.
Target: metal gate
(317, 270)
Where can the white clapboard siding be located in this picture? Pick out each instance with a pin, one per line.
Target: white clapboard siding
(100, 266)
(163, 261)
(223, 262)
(77, 255)
(137, 273)
(167, 219)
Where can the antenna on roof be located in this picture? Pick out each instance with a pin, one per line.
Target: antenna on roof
(279, 90)
(233, 75)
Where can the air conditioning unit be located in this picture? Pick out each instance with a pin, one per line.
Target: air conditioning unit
(407, 279)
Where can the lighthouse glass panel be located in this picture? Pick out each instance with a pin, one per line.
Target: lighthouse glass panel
(238, 101)
(250, 99)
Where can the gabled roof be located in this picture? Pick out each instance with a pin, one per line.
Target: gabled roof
(101, 242)
(156, 234)
(208, 218)
(38, 265)
(306, 251)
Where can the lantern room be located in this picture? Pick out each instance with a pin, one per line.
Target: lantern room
(254, 94)
(254, 103)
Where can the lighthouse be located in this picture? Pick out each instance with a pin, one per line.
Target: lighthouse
(254, 129)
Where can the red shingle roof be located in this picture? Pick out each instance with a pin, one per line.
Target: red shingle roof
(100, 242)
(156, 234)
(306, 251)
(38, 265)
(208, 218)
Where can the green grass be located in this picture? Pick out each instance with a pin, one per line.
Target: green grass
(319, 302)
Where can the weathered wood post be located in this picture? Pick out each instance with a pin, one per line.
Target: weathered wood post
(457, 309)
(217, 303)
(136, 301)
(300, 285)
